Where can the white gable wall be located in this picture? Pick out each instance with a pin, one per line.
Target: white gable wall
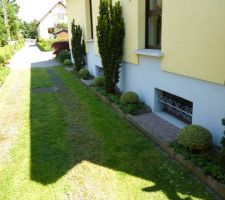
(50, 20)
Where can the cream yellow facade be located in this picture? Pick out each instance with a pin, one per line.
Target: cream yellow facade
(193, 39)
(134, 17)
(190, 64)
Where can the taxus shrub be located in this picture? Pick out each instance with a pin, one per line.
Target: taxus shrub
(110, 34)
(78, 47)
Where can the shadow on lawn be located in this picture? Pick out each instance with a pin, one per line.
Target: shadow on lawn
(60, 139)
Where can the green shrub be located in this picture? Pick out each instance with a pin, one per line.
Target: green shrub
(67, 62)
(64, 55)
(129, 97)
(45, 45)
(195, 138)
(99, 81)
(84, 74)
(6, 53)
(4, 71)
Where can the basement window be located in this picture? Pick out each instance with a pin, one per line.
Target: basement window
(175, 106)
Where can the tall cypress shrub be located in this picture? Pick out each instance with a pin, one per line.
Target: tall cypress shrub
(78, 47)
(110, 34)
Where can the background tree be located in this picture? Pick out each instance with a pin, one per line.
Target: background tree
(9, 21)
(78, 47)
(60, 27)
(110, 33)
(30, 30)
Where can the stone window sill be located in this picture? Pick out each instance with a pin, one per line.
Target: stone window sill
(90, 40)
(150, 52)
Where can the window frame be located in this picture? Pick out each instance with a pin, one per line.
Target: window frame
(151, 13)
(91, 19)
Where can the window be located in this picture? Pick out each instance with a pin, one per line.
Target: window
(153, 23)
(50, 30)
(60, 17)
(91, 18)
(176, 106)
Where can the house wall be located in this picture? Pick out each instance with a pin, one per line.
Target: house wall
(208, 99)
(180, 71)
(50, 21)
(193, 39)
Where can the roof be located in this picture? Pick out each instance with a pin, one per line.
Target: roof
(61, 3)
(63, 30)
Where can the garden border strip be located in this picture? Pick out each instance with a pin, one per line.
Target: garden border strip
(218, 187)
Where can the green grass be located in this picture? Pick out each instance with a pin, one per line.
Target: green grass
(4, 71)
(72, 146)
(40, 78)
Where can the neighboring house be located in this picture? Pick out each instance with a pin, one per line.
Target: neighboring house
(56, 15)
(62, 34)
(174, 56)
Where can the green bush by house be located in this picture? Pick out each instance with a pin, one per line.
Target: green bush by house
(45, 45)
(195, 138)
(64, 55)
(84, 74)
(129, 97)
(67, 62)
(99, 81)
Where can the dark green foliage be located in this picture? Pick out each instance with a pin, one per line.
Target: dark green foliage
(129, 97)
(99, 81)
(84, 74)
(125, 107)
(30, 30)
(67, 62)
(78, 47)
(64, 55)
(110, 34)
(195, 138)
(207, 161)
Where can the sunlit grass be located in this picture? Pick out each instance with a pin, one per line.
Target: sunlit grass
(72, 146)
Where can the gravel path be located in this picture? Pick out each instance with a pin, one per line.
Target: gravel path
(31, 56)
(13, 90)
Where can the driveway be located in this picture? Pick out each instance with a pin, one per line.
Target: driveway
(31, 57)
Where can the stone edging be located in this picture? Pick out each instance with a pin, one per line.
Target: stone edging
(198, 172)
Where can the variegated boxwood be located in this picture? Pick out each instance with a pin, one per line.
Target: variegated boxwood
(195, 138)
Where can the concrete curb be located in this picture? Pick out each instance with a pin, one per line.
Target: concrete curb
(218, 187)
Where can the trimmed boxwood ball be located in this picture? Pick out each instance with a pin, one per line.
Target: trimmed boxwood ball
(129, 97)
(195, 138)
(84, 74)
(99, 81)
(67, 62)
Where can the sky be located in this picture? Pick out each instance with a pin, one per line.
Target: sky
(34, 9)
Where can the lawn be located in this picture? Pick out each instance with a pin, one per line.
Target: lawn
(72, 146)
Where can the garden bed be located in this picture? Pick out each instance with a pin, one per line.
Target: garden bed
(201, 167)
